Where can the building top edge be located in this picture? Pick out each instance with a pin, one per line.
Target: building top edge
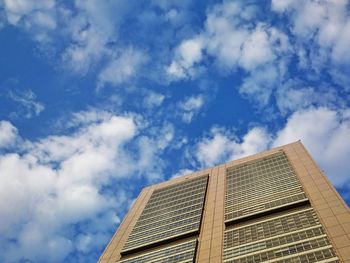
(228, 164)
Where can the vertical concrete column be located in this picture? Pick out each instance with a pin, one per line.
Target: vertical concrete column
(330, 207)
(205, 236)
(211, 235)
(112, 251)
(216, 248)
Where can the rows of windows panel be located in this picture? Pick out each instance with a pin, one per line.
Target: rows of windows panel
(188, 184)
(182, 252)
(266, 206)
(164, 227)
(157, 237)
(173, 212)
(300, 219)
(267, 184)
(181, 192)
(179, 215)
(322, 255)
(281, 236)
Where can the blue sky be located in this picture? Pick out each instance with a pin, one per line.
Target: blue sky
(101, 98)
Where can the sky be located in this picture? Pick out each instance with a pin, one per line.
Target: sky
(99, 99)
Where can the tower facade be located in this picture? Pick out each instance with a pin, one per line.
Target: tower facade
(275, 206)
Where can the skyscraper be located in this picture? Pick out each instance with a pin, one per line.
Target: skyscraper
(275, 206)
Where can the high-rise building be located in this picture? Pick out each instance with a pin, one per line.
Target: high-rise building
(275, 206)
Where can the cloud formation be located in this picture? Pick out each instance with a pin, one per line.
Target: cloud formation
(28, 105)
(190, 107)
(8, 134)
(222, 145)
(55, 193)
(323, 131)
(321, 30)
(238, 37)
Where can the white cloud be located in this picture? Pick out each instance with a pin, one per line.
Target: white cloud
(282, 5)
(232, 41)
(256, 50)
(92, 32)
(222, 146)
(87, 35)
(153, 99)
(225, 37)
(259, 85)
(221, 39)
(294, 95)
(323, 131)
(325, 134)
(187, 55)
(340, 52)
(321, 30)
(230, 37)
(86, 50)
(8, 134)
(62, 181)
(122, 68)
(190, 107)
(17, 9)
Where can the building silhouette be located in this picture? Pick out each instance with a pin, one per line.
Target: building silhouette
(275, 206)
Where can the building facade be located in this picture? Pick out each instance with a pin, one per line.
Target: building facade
(275, 206)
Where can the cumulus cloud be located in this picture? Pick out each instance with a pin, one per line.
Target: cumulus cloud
(233, 41)
(20, 9)
(92, 32)
(87, 35)
(86, 50)
(260, 84)
(8, 134)
(321, 31)
(222, 145)
(153, 99)
(188, 54)
(325, 133)
(190, 107)
(295, 95)
(55, 188)
(122, 68)
(256, 50)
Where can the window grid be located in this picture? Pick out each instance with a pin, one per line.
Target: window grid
(266, 206)
(282, 236)
(315, 256)
(263, 183)
(284, 252)
(244, 202)
(275, 226)
(161, 236)
(163, 227)
(170, 212)
(178, 210)
(175, 218)
(181, 252)
(279, 241)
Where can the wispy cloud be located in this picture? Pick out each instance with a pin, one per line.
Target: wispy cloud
(190, 107)
(28, 105)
